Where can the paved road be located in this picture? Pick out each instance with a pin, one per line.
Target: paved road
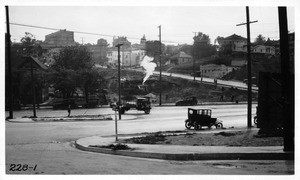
(49, 145)
(236, 84)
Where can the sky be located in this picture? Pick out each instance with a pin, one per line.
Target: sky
(178, 23)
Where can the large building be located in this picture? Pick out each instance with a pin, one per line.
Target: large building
(98, 53)
(128, 56)
(131, 55)
(60, 38)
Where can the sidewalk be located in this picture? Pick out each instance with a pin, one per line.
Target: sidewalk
(71, 118)
(178, 152)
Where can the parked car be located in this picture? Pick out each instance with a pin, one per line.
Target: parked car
(198, 118)
(190, 101)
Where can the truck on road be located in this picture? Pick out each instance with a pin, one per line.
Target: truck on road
(140, 104)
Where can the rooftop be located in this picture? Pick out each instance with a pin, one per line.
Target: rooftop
(235, 37)
(181, 54)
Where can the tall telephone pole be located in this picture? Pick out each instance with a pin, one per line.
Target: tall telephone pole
(194, 60)
(287, 83)
(10, 96)
(119, 79)
(249, 125)
(160, 88)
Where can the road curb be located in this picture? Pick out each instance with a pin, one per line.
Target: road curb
(66, 119)
(191, 156)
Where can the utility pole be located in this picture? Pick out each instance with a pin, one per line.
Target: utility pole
(10, 96)
(160, 84)
(287, 82)
(119, 79)
(194, 60)
(32, 88)
(249, 123)
(82, 40)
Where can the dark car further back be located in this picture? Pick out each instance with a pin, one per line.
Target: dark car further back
(190, 101)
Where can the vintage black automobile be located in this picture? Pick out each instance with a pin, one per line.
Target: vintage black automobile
(190, 101)
(198, 118)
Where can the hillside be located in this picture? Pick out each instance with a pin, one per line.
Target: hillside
(173, 89)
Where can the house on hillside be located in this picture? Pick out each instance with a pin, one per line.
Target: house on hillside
(237, 42)
(262, 51)
(274, 43)
(214, 70)
(180, 58)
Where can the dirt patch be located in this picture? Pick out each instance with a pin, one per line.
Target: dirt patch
(114, 147)
(224, 138)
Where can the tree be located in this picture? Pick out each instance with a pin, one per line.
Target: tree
(91, 82)
(187, 49)
(73, 57)
(202, 47)
(225, 48)
(102, 42)
(260, 40)
(30, 46)
(73, 68)
(202, 38)
(152, 48)
(28, 40)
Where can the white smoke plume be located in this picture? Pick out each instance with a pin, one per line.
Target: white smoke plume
(149, 66)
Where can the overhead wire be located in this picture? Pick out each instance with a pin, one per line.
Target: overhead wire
(107, 35)
(88, 33)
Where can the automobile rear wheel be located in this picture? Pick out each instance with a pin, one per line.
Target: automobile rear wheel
(147, 111)
(219, 125)
(188, 124)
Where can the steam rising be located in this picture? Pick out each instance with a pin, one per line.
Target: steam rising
(148, 66)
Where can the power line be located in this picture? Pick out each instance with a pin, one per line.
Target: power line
(88, 33)
(41, 27)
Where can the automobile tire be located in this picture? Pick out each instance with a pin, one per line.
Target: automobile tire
(219, 125)
(197, 126)
(147, 111)
(188, 124)
(255, 120)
